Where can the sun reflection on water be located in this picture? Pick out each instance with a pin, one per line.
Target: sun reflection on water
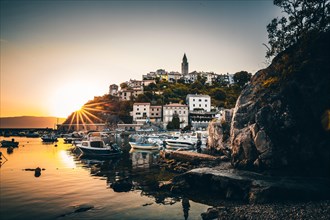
(67, 159)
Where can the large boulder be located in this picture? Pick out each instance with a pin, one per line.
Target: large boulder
(281, 119)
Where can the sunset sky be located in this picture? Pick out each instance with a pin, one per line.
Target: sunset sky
(56, 55)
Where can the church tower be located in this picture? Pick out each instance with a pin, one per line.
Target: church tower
(184, 65)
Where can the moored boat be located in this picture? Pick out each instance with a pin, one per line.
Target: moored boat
(95, 146)
(180, 144)
(11, 143)
(144, 145)
(49, 138)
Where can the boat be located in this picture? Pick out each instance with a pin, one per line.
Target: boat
(12, 143)
(72, 137)
(49, 138)
(180, 144)
(144, 145)
(95, 146)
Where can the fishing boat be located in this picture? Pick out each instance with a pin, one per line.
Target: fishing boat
(95, 146)
(49, 138)
(11, 143)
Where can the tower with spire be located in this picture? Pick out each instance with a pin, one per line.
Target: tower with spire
(184, 65)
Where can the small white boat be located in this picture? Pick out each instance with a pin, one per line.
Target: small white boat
(180, 144)
(144, 145)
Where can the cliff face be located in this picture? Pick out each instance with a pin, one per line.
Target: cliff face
(281, 119)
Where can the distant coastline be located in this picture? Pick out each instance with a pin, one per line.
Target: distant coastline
(29, 122)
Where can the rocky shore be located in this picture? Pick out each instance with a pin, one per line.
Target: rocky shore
(238, 194)
(279, 210)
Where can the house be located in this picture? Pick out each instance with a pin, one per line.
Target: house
(175, 108)
(141, 112)
(198, 102)
(113, 89)
(129, 93)
(156, 113)
(174, 76)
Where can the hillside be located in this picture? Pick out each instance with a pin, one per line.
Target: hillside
(29, 122)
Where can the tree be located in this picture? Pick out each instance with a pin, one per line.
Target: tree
(218, 94)
(303, 18)
(175, 123)
(123, 85)
(241, 78)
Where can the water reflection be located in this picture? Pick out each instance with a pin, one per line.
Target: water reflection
(134, 170)
(130, 182)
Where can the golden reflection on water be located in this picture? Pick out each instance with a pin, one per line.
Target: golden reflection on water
(66, 159)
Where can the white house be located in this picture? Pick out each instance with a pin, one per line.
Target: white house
(141, 111)
(199, 102)
(175, 108)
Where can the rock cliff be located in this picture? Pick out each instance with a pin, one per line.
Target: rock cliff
(281, 119)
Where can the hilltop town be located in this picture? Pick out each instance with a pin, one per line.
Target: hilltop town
(166, 100)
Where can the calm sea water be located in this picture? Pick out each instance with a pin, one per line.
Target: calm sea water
(70, 187)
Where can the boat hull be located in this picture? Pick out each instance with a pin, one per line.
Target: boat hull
(5, 143)
(179, 144)
(90, 151)
(144, 146)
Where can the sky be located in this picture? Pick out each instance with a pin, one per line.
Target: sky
(57, 55)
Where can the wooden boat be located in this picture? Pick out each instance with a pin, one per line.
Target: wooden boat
(6, 143)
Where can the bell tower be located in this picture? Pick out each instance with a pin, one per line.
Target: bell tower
(184, 65)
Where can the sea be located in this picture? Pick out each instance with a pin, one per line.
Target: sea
(73, 187)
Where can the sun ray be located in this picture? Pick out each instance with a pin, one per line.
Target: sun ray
(94, 116)
(82, 119)
(86, 116)
(72, 118)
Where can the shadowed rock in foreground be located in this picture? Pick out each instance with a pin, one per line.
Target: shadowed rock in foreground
(249, 186)
(281, 120)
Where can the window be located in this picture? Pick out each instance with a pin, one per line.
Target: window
(205, 105)
(193, 99)
(199, 100)
(137, 109)
(205, 100)
(152, 113)
(193, 105)
(144, 109)
(200, 105)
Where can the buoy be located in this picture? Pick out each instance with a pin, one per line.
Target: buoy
(10, 150)
(37, 172)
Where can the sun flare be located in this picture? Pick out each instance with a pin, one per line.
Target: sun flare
(69, 98)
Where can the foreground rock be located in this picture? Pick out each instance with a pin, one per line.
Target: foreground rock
(288, 210)
(281, 119)
(183, 161)
(231, 184)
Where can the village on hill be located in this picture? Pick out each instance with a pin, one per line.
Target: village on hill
(163, 100)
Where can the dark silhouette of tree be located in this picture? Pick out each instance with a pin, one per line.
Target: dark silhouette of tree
(241, 78)
(303, 17)
(175, 123)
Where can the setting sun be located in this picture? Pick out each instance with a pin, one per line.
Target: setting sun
(69, 98)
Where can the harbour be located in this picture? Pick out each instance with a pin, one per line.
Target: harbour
(70, 187)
